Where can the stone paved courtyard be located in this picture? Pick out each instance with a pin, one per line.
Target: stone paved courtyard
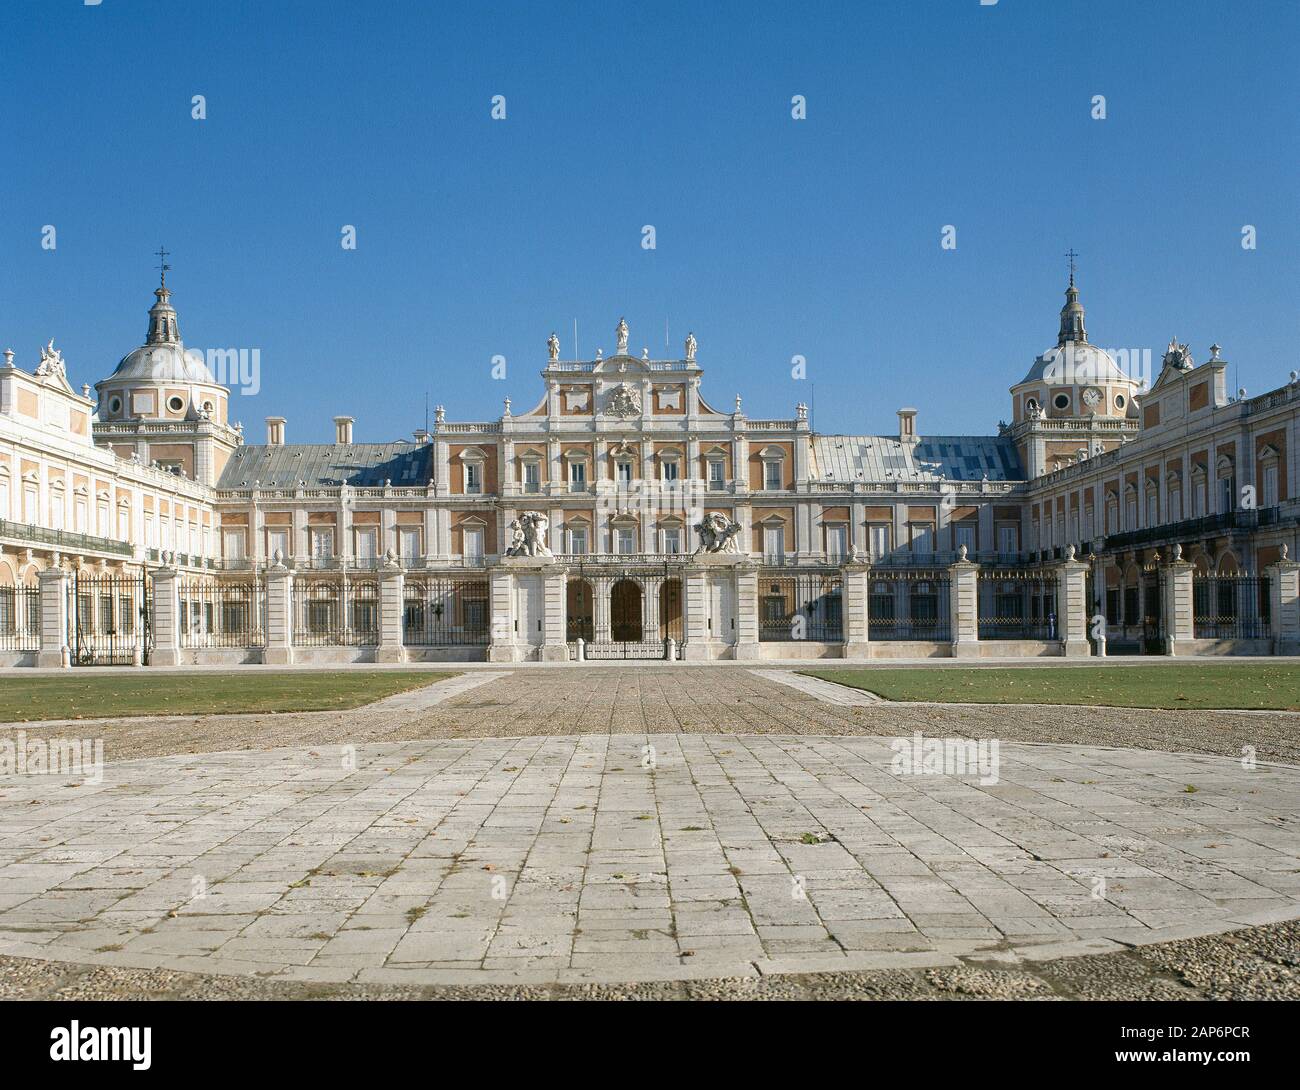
(561, 856)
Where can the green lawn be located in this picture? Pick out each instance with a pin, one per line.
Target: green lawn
(85, 694)
(1199, 685)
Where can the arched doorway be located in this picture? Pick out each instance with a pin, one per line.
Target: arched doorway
(625, 612)
(579, 614)
(670, 610)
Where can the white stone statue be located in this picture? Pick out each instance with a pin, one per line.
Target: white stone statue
(621, 331)
(528, 535)
(690, 346)
(553, 347)
(51, 361)
(717, 534)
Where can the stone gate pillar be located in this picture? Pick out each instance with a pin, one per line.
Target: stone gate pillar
(963, 607)
(855, 602)
(53, 585)
(392, 584)
(695, 614)
(1284, 604)
(279, 615)
(1072, 606)
(166, 617)
(746, 574)
(555, 583)
(501, 599)
(1176, 600)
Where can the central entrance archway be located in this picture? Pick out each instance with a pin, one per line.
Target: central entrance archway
(625, 612)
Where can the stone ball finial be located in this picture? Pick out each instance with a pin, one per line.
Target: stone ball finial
(1178, 552)
(1284, 550)
(1069, 552)
(961, 552)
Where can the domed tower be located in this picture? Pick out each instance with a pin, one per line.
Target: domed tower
(162, 405)
(1075, 401)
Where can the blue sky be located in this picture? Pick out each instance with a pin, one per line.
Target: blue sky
(775, 237)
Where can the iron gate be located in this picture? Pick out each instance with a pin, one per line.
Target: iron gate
(109, 620)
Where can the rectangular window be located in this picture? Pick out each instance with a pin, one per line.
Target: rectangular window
(878, 540)
(232, 544)
(322, 544)
(717, 482)
(772, 476)
(837, 538)
(1153, 510)
(1227, 495)
(577, 476)
(624, 471)
(1008, 540)
(532, 477)
(473, 478)
(625, 540)
(672, 541)
(670, 470)
(277, 541)
(1270, 486)
(774, 544)
(578, 540)
(964, 534)
(473, 538)
(922, 536)
(367, 543)
(408, 543)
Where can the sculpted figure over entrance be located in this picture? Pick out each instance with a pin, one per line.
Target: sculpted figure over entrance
(528, 535)
(717, 534)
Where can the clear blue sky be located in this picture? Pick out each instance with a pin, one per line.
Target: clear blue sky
(775, 237)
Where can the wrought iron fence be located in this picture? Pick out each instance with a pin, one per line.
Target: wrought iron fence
(440, 612)
(909, 605)
(800, 606)
(1017, 605)
(328, 612)
(222, 613)
(109, 620)
(20, 618)
(1231, 606)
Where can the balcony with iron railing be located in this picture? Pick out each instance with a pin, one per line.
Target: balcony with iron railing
(65, 541)
(1227, 522)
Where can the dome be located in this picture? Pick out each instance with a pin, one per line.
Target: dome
(1075, 364)
(164, 363)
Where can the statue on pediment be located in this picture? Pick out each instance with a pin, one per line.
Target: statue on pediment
(553, 347)
(621, 332)
(718, 534)
(51, 362)
(690, 346)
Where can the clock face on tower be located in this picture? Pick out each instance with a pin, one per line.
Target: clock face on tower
(1092, 397)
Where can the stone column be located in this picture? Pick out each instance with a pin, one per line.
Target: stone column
(279, 616)
(600, 621)
(746, 575)
(555, 581)
(392, 581)
(1072, 606)
(1176, 592)
(54, 618)
(1284, 604)
(963, 607)
(695, 614)
(166, 618)
(855, 603)
(501, 596)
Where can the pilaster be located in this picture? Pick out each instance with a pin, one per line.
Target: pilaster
(746, 576)
(166, 618)
(1284, 604)
(963, 606)
(392, 582)
(1072, 606)
(54, 618)
(279, 616)
(855, 591)
(1176, 596)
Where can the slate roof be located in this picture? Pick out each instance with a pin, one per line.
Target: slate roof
(934, 458)
(325, 465)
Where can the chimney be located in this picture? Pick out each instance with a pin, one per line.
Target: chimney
(343, 430)
(421, 436)
(275, 431)
(907, 426)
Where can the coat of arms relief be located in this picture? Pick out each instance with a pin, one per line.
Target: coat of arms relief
(624, 402)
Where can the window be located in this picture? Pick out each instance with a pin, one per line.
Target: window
(1008, 540)
(878, 540)
(717, 483)
(114, 405)
(1270, 486)
(473, 478)
(277, 541)
(673, 541)
(322, 544)
(922, 536)
(623, 471)
(578, 540)
(30, 501)
(1227, 494)
(408, 542)
(836, 542)
(624, 539)
(671, 469)
(232, 544)
(964, 534)
(176, 404)
(1175, 504)
(772, 476)
(1153, 508)
(473, 539)
(532, 477)
(1061, 401)
(577, 476)
(367, 543)
(774, 544)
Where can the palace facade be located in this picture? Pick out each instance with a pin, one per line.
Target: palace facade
(625, 515)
